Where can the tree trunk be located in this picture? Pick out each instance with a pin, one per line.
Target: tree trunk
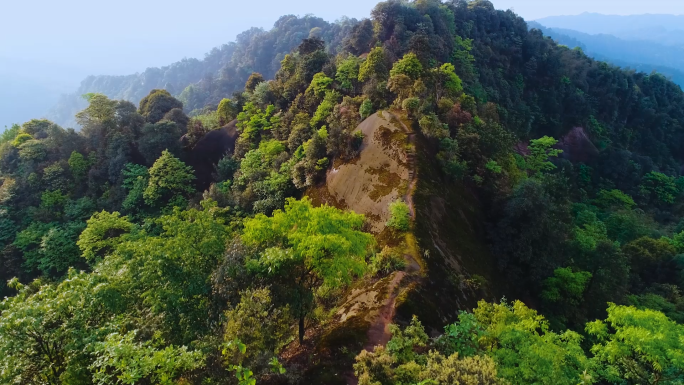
(301, 329)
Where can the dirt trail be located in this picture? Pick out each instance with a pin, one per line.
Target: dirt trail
(379, 333)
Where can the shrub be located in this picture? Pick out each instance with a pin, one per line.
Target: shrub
(399, 216)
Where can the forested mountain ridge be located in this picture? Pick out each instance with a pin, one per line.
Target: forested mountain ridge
(641, 55)
(484, 160)
(654, 27)
(223, 71)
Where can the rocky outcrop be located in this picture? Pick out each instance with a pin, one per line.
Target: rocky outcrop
(209, 150)
(378, 176)
(577, 147)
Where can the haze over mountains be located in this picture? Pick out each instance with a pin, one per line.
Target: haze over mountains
(642, 42)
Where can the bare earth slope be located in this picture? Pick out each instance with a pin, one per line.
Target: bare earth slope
(448, 264)
(379, 176)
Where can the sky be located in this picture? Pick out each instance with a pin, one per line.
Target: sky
(126, 36)
(47, 47)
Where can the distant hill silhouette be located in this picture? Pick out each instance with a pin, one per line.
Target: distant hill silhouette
(641, 55)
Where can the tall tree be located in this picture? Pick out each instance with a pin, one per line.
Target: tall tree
(303, 248)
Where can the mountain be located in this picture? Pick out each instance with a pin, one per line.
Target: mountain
(638, 55)
(435, 195)
(26, 88)
(663, 28)
(223, 71)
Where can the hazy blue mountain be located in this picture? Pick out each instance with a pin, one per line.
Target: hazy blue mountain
(221, 72)
(28, 90)
(644, 56)
(621, 26)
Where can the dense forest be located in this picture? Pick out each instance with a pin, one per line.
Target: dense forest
(638, 54)
(195, 239)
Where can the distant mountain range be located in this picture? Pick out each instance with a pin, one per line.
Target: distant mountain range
(641, 42)
(665, 29)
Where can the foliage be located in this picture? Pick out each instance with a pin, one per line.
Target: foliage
(9, 134)
(525, 350)
(258, 324)
(102, 234)
(20, 139)
(398, 363)
(170, 179)
(409, 65)
(639, 346)
(122, 360)
(226, 111)
(399, 216)
(375, 65)
(660, 187)
(78, 165)
(320, 246)
(541, 150)
(154, 106)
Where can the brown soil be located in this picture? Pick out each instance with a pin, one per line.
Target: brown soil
(373, 181)
(384, 172)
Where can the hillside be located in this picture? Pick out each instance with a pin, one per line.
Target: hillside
(665, 29)
(640, 55)
(434, 195)
(223, 71)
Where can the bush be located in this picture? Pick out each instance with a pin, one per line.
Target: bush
(399, 216)
(387, 261)
(366, 109)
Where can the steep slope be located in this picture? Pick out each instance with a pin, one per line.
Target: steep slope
(379, 176)
(448, 264)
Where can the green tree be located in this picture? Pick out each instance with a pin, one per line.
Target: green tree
(100, 113)
(170, 180)
(20, 139)
(638, 347)
(563, 293)
(320, 85)
(78, 165)
(305, 247)
(445, 82)
(226, 111)
(58, 251)
(157, 137)
(375, 65)
(614, 199)
(541, 150)
(258, 324)
(526, 350)
(409, 65)
(254, 79)
(156, 104)
(406, 360)
(324, 109)
(45, 330)
(348, 73)
(102, 234)
(431, 127)
(366, 108)
(135, 181)
(9, 134)
(660, 187)
(123, 360)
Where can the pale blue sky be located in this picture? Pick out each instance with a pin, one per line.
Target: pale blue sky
(123, 36)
